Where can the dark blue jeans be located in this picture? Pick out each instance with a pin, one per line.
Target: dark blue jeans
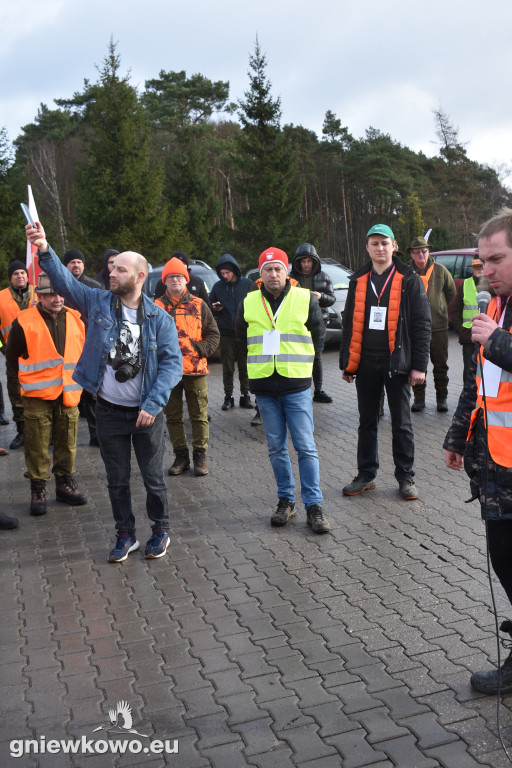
(116, 434)
(372, 376)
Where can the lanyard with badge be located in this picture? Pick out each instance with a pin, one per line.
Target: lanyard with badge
(493, 371)
(272, 338)
(378, 313)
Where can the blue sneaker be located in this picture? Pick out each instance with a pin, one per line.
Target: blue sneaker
(157, 545)
(124, 545)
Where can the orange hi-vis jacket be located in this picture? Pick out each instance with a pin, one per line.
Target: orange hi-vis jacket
(9, 310)
(45, 373)
(499, 410)
(189, 325)
(356, 341)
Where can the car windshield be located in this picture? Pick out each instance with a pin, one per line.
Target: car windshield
(339, 275)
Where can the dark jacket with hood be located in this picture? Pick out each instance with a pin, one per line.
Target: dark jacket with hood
(229, 295)
(103, 276)
(412, 343)
(316, 281)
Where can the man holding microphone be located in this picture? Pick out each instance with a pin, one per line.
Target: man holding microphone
(480, 437)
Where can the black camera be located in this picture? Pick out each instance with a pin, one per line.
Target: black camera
(126, 369)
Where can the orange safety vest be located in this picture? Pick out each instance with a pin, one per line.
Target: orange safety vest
(499, 410)
(45, 373)
(356, 341)
(9, 310)
(189, 325)
(425, 278)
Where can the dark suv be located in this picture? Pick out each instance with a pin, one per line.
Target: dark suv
(458, 263)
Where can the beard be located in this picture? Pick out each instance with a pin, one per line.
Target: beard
(127, 287)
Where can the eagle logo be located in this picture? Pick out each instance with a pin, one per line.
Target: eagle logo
(121, 720)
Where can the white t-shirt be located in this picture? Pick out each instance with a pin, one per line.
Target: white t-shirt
(127, 349)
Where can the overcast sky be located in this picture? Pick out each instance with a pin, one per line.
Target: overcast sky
(373, 63)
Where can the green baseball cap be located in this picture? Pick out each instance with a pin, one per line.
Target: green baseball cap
(380, 229)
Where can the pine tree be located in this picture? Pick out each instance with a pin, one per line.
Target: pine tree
(121, 184)
(267, 180)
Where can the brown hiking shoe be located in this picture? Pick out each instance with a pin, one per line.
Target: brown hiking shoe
(200, 465)
(38, 498)
(181, 463)
(67, 490)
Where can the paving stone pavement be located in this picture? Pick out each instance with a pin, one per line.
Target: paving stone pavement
(248, 645)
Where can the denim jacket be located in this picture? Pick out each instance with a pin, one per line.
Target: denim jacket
(162, 367)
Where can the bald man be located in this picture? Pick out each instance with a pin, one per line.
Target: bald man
(131, 360)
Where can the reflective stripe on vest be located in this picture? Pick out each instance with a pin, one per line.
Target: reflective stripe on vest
(499, 410)
(470, 308)
(296, 351)
(51, 376)
(356, 339)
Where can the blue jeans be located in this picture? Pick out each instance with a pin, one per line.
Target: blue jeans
(295, 412)
(116, 430)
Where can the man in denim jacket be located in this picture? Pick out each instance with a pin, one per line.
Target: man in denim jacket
(131, 360)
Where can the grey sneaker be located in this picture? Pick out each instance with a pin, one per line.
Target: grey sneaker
(316, 519)
(408, 490)
(284, 511)
(358, 485)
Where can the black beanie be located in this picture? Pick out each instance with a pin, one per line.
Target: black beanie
(181, 256)
(73, 253)
(14, 265)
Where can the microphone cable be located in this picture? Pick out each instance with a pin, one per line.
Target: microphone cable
(488, 559)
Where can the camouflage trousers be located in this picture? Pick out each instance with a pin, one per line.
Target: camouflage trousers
(49, 423)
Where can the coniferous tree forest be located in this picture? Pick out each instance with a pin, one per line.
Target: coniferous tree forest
(181, 167)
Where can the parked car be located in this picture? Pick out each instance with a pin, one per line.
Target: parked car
(457, 262)
(195, 267)
(340, 277)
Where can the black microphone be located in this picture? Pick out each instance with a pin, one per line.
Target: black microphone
(483, 296)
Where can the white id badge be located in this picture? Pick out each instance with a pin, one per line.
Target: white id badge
(271, 342)
(378, 318)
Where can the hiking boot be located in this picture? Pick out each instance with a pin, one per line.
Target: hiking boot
(200, 465)
(408, 490)
(442, 405)
(284, 511)
(157, 545)
(181, 463)
(418, 405)
(245, 401)
(321, 397)
(229, 402)
(66, 490)
(358, 485)
(3, 419)
(501, 678)
(125, 544)
(7, 523)
(256, 419)
(316, 519)
(38, 498)
(19, 440)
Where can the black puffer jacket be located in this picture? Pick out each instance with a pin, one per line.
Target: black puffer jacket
(229, 295)
(412, 343)
(318, 280)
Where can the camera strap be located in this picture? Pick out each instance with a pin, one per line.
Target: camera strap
(118, 309)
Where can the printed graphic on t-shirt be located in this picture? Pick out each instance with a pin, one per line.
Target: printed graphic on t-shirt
(127, 346)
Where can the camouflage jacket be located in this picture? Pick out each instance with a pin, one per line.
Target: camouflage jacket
(490, 482)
